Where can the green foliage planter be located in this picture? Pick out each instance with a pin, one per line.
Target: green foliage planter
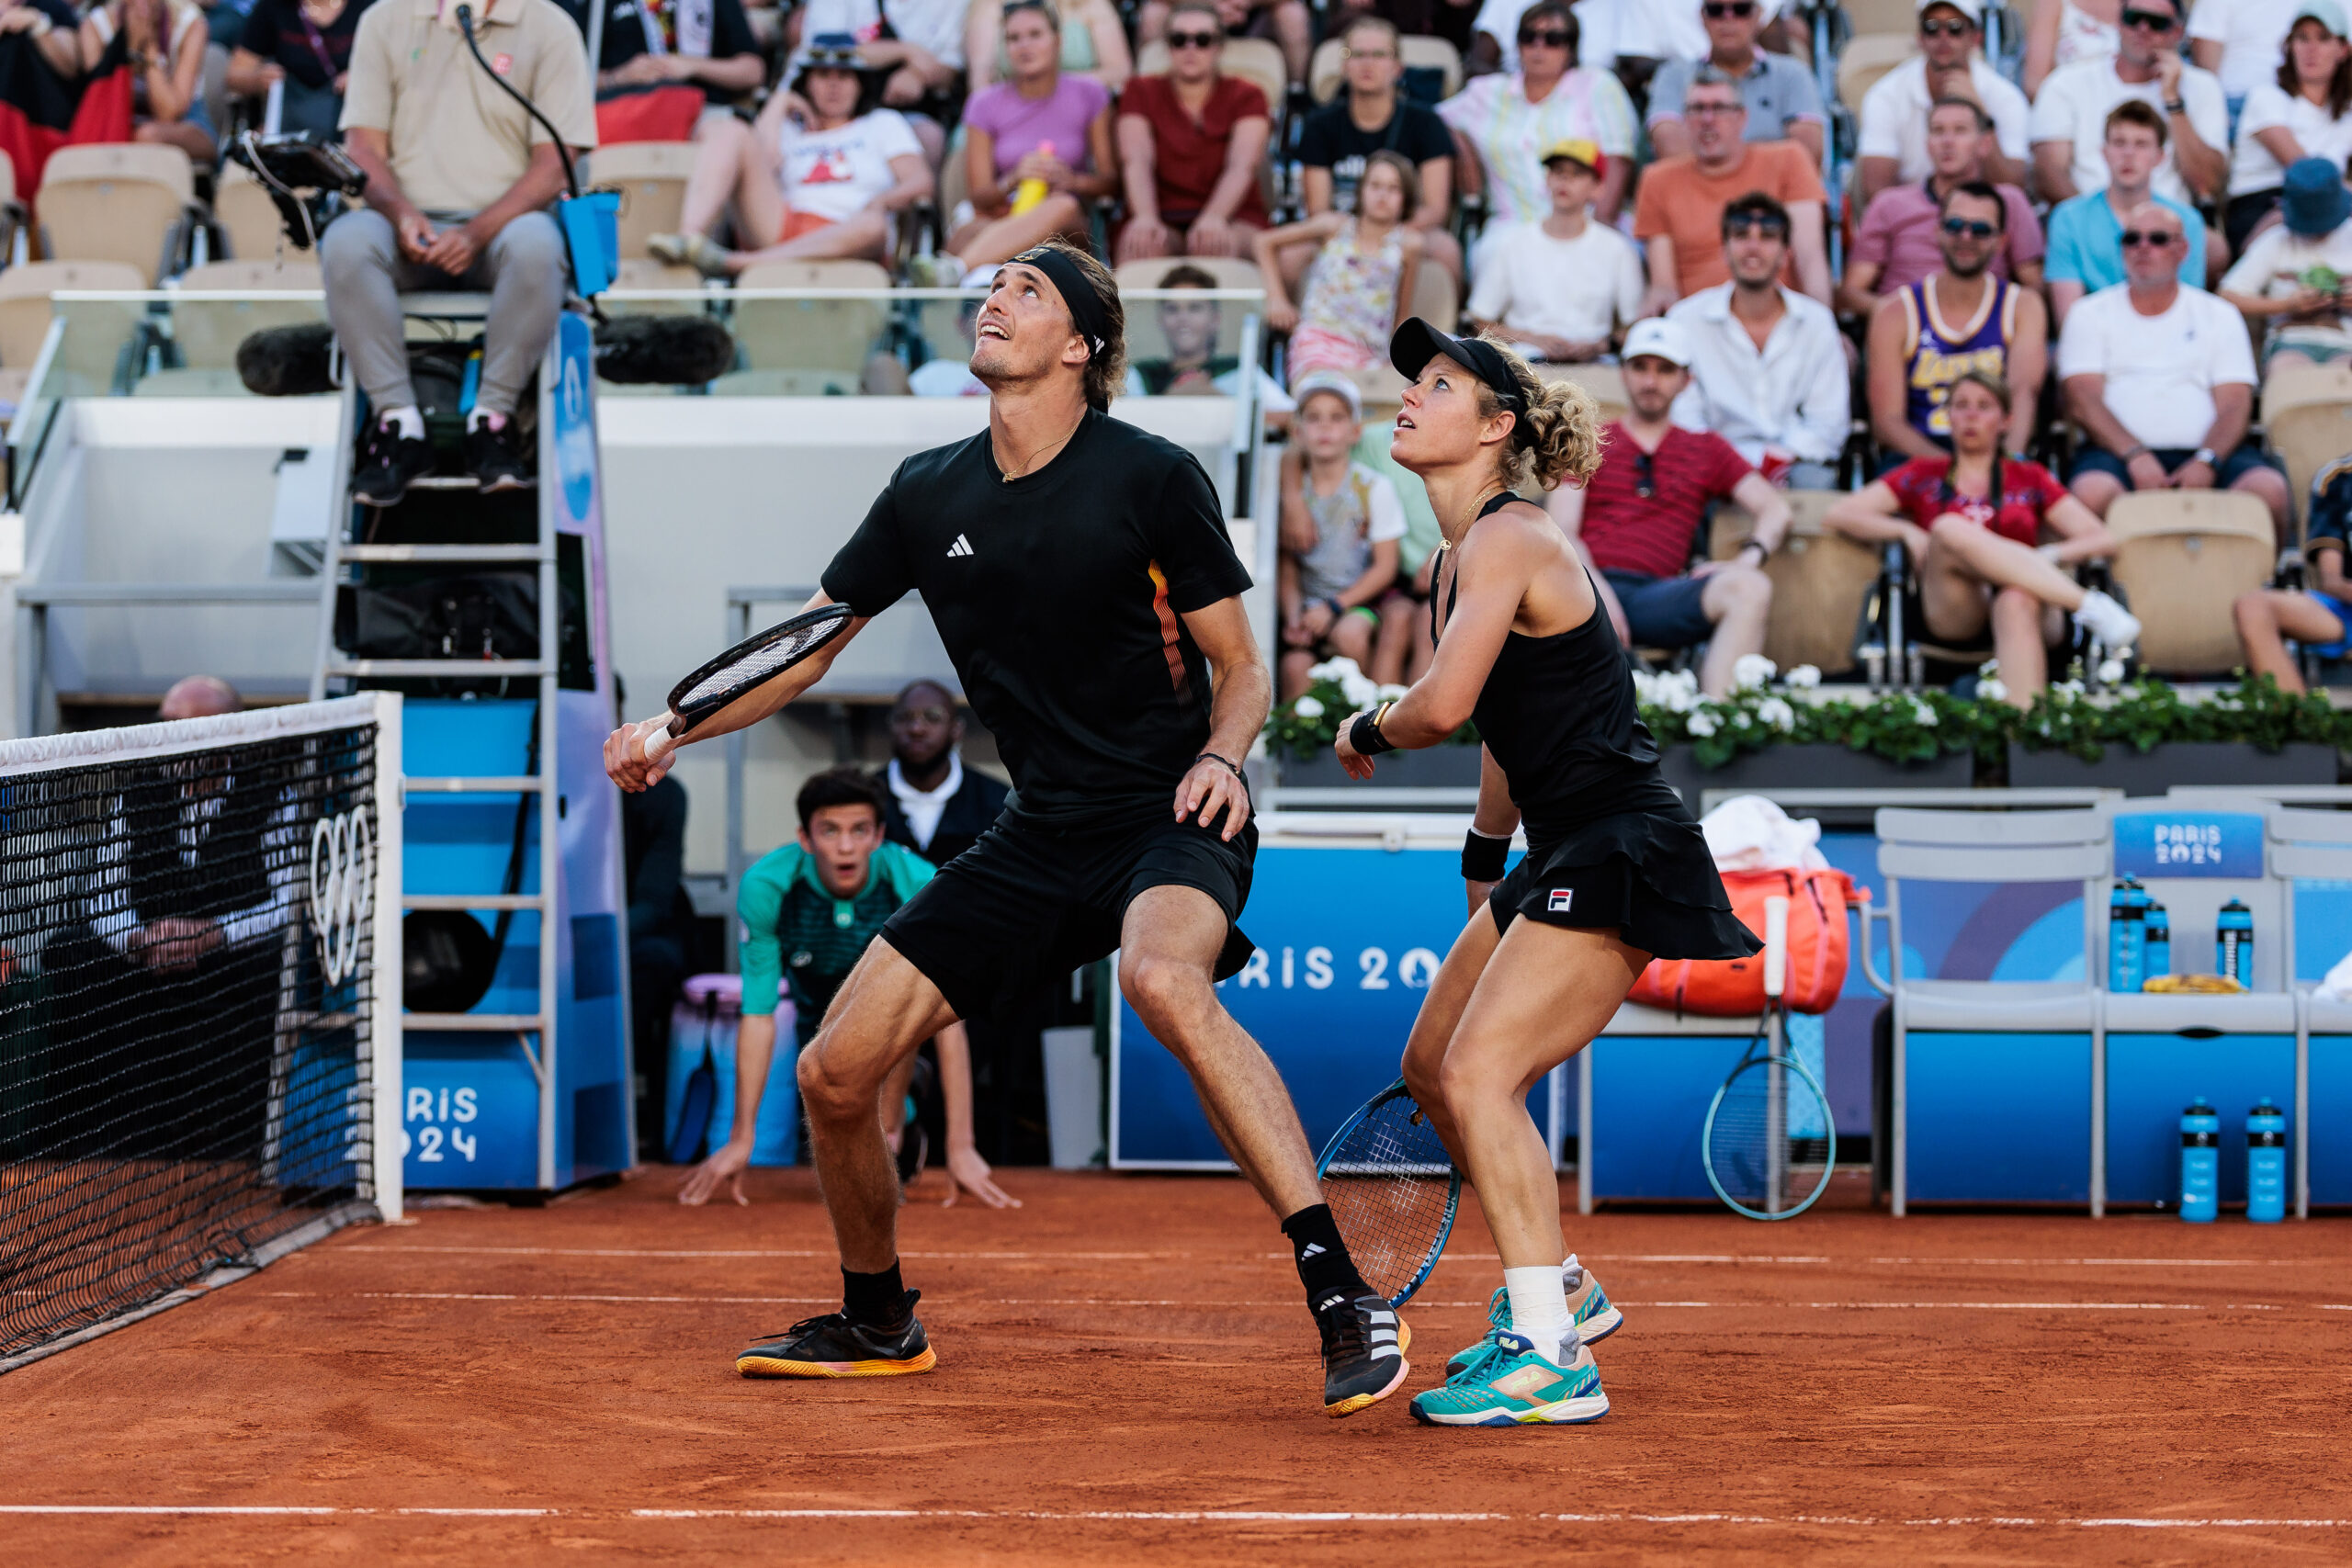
(2155, 771)
(2146, 739)
(1813, 766)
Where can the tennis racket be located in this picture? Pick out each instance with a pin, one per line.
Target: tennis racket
(1393, 1190)
(1769, 1144)
(751, 664)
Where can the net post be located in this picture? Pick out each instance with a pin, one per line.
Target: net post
(384, 1028)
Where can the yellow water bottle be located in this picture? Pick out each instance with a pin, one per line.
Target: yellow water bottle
(1029, 193)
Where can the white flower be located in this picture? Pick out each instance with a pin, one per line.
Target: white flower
(1359, 691)
(1775, 712)
(1392, 693)
(1336, 669)
(1922, 714)
(1703, 722)
(2067, 691)
(1644, 686)
(2110, 672)
(1308, 707)
(1678, 691)
(1803, 678)
(1989, 687)
(1753, 670)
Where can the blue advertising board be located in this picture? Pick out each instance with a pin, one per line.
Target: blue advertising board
(2175, 843)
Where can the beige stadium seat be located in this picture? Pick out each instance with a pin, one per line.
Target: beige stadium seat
(209, 330)
(1820, 583)
(1253, 60)
(2307, 414)
(1867, 17)
(1325, 70)
(1866, 59)
(812, 344)
(1605, 382)
(2182, 556)
(243, 212)
(24, 300)
(644, 272)
(1230, 272)
(123, 202)
(12, 209)
(1436, 298)
(651, 178)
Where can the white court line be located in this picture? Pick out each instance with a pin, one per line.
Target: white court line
(1157, 1516)
(1704, 1257)
(953, 1302)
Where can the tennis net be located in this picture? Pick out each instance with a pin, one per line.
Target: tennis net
(198, 1071)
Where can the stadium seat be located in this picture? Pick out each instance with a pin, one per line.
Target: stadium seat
(2182, 557)
(644, 272)
(1230, 272)
(12, 209)
(1253, 60)
(244, 213)
(1324, 71)
(205, 334)
(1436, 297)
(808, 347)
(1605, 382)
(127, 201)
(1866, 59)
(1820, 581)
(651, 179)
(24, 300)
(2307, 413)
(1864, 17)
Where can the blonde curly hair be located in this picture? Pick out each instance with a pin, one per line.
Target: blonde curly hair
(1559, 433)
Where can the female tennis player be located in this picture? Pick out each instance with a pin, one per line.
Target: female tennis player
(1616, 872)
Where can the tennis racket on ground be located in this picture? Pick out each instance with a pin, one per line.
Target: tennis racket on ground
(1769, 1144)
(751, 664)
(1393, 1190)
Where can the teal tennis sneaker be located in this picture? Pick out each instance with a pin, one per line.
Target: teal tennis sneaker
(1509, 1385)
(1589, 1309)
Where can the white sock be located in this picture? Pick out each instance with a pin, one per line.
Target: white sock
(1539, 1308)
(1572, 1275)
(408, 419)
(483, 416)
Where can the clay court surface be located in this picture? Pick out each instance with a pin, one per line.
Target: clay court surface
(1127, 1374)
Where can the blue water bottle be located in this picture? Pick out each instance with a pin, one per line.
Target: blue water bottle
(2155, 943)
(2266, 1164)
(2233, 944)
(2126, 920)
(2201, 1157)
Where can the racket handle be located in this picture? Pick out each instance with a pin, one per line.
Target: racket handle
(1776, 946)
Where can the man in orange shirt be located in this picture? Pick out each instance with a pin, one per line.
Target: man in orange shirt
(1678, 216)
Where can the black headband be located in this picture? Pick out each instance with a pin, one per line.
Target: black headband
(1417, 342)
(1077, 291)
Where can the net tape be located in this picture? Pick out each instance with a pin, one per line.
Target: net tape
(1387, 1184)
(187, 982)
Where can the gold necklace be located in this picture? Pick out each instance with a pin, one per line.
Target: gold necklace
(1029, 465)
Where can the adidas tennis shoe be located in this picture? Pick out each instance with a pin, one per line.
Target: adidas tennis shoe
(834, 1345)
(1507, 1385)
(1363, 1352)
(1589, 1308)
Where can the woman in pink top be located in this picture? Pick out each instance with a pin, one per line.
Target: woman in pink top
(1040, 126)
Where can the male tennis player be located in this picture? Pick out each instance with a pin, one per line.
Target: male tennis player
(1079, 574)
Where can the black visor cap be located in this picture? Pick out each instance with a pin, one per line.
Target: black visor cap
(1417, 342)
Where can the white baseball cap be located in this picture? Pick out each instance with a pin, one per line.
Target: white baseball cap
(1333, 382)
(1655, 337)
(1973, 9)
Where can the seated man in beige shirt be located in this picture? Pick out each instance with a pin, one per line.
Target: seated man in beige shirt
(460, 177)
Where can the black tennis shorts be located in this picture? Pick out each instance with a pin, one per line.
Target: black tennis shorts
(1026, 905)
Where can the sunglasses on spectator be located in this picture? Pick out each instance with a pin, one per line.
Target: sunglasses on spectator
(1974, 228)
(1644, 475)
(2154, 21)
(1547, 38)
(1947, 27)
(2156, 239)
(1720, 10)
(1770, 227)
(1372, 54)
(1193, 40)
(1695, 110)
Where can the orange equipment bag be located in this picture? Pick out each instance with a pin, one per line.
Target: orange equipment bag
(1734, 987)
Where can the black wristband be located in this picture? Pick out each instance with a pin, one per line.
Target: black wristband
(1231, 767)
(1482, 859)
(1366, 737)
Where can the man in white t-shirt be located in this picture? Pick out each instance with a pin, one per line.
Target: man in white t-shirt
(1894, 111)
(1561, 289)
(2069, 122)
(2238, 41)
(2161, 378)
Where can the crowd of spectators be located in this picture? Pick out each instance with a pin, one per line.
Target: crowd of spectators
(2124, 238)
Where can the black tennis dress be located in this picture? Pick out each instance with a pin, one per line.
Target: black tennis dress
(1609, 843)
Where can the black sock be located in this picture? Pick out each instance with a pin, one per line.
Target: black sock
(877, 1301)
(1324, 1265)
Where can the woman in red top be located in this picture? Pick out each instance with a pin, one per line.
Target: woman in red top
(1974, 524)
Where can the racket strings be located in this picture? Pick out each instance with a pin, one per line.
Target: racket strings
(1389, 1183)
(1765, 1146)
(760, 663)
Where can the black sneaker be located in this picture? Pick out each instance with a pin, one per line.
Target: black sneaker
(389, 463)
(497, 458)
(834, 1346)
(1363, 1352)
(914, 1147)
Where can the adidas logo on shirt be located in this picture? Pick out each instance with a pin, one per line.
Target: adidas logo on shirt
(962, 547)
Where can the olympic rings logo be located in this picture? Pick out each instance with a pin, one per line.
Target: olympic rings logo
(342, 880)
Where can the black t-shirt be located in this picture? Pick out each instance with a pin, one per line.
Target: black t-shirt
(1330, 139)
(626, 25)
(274, 30)
(1058, 596)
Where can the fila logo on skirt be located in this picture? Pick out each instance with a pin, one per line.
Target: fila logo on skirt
(1558, 902)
